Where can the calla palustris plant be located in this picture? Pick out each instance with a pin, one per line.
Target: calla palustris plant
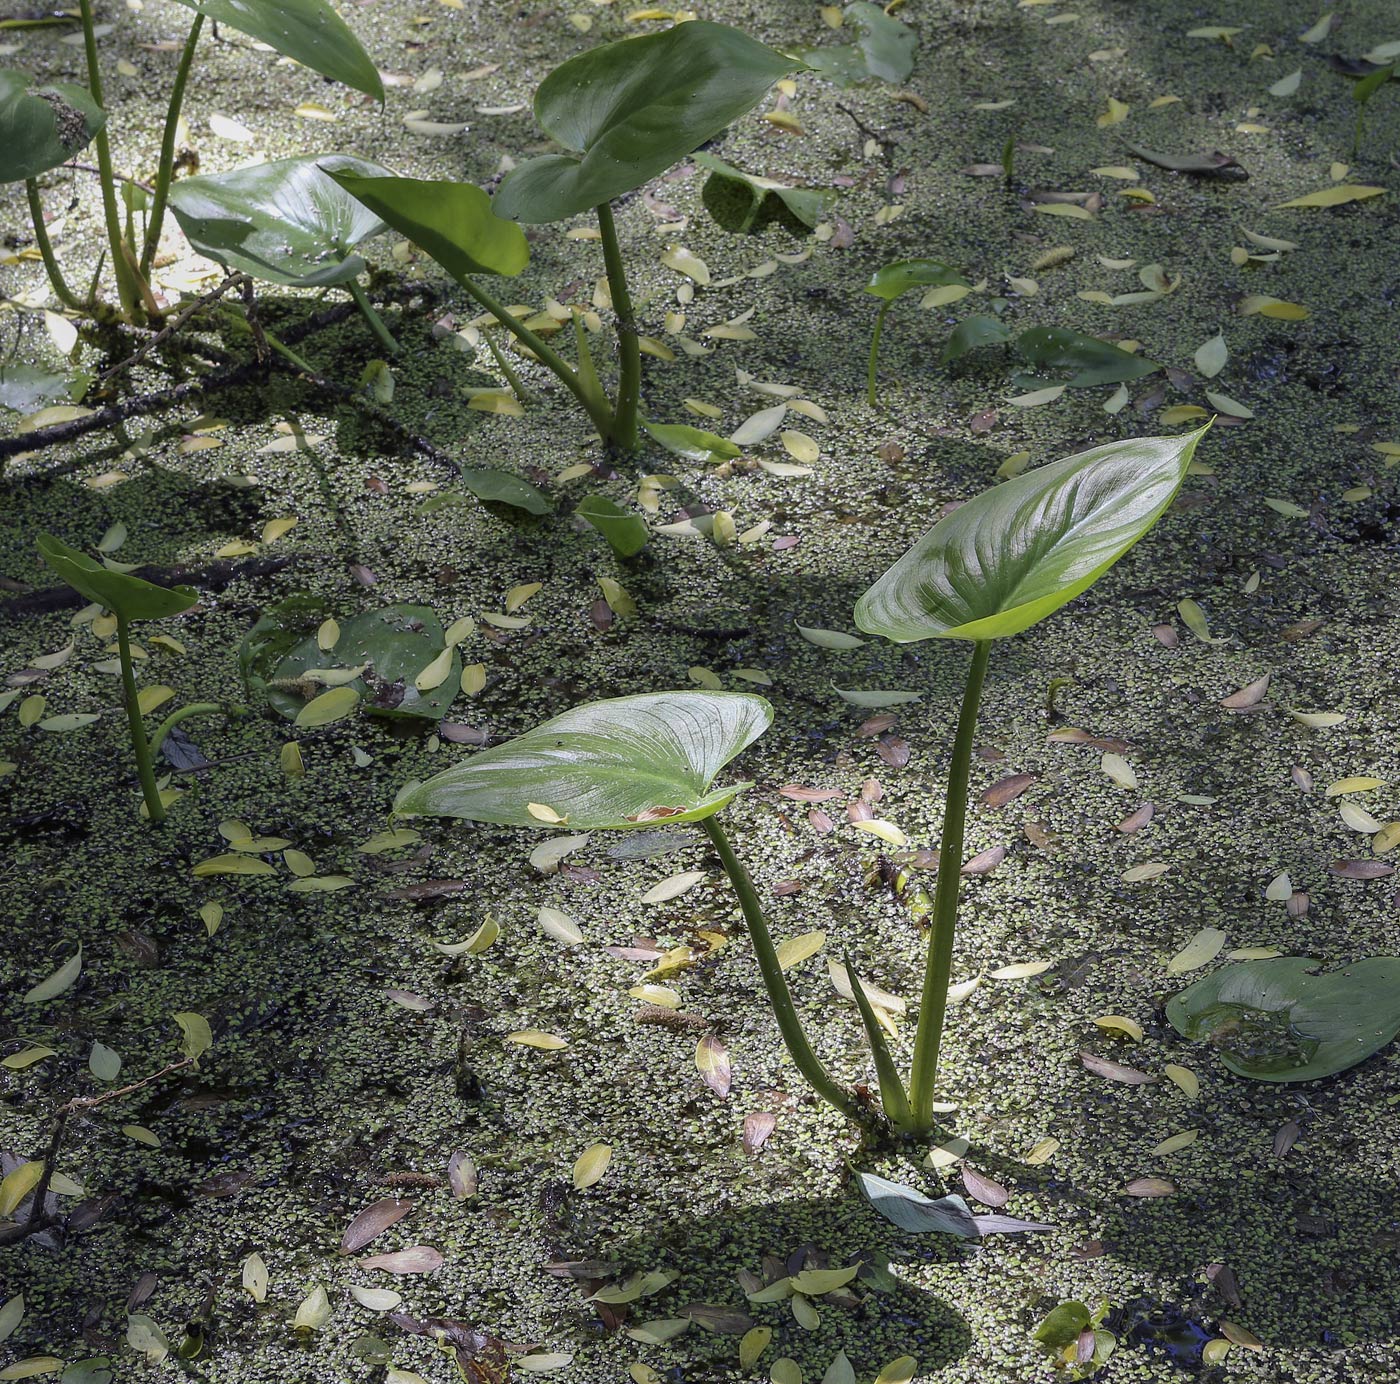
(624, 112)
(285, 222)
(991, 569)
(1276, 1020)
(632, 762)
(128, 598)
(31, 142)
(893, 281)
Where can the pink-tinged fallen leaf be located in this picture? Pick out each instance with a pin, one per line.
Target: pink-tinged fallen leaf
(983, 422)
(1222, 1276)
(462, 735)
(984, 862)
(798, 793)
(1166, 636)
(1135, 821)
(859, 811)
(781, 545)
(1150, 1187)
(372, 1222)
(362, 574)
(1006, 790)
(1074, 735)
(1286, 1137)
(1248, 697)
(876, 725)
(1090, 1249)
(819, 821)
(982, 1188)
(757, 1128)
(1361, 869)
(712, 1062)
(415, 1259)
(1115, 1071)
(893, 751)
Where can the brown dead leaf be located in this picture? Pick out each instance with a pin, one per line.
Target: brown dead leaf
(1006, 790)
(757, 1128)
(372, 1222)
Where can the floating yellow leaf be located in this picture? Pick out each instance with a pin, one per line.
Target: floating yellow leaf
(232, 864)
(1176, 1142)
(1204, 947)
(1360, 783)
(1277, 308)
(533, 1038)
(1119, 1023)
(332, 705)
(1183, 1078)
(1071, 210)
(591, 1165)
(1042, 1153)
(797, 949)
(435, 673)
(1021, 970)
(1336, 196)
(1116, 114)
(886, 831)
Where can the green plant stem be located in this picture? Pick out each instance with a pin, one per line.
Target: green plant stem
(597, 411)
(875, 350)
(516, 384)
(57, 282)
(779, 996)
(287, 353)
(174, 719)
(629, 382)
(139, 744)
(126, 284)
(938, 966)
(371, 316)
(166, 169)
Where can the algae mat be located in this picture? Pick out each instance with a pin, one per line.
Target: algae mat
(356, 1061)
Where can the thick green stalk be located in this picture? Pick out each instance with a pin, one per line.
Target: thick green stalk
(126, 284)
(166, 168)
(938, 967)
(185, 712)
(629, 382)
(598, 412)
(779, 996)
(41, 238)
(141, 747)
(371, 316)
(875, 351)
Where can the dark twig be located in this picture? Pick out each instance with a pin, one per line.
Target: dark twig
(37, 1220)
(175, 323)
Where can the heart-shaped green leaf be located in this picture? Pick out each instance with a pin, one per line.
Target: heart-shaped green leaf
(898, 278)
(628, 762)
(1015, 554)
(282, 658)
(125, 596)
(287, 222)
(1276, 1021)
(454, 222)
(42, 125)
(309, 31)
(629, 110)
(972, 333)
(742, 202)
(1092, 361)
(885, 48)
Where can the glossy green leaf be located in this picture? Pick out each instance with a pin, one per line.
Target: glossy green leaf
(884, 49)
(286, 222)
(453, 222)
(631, 761)
(626, 533)
(491, 487)
(629, 110)
(1274, 1020)
(1015, 554)
(281, 659)
(1062, 1326)
(308, 31)
(1091, 361)
(898, 278)
(42, 125)
(126, 596)
(694, 444)
(972, 333)
(743, 202)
